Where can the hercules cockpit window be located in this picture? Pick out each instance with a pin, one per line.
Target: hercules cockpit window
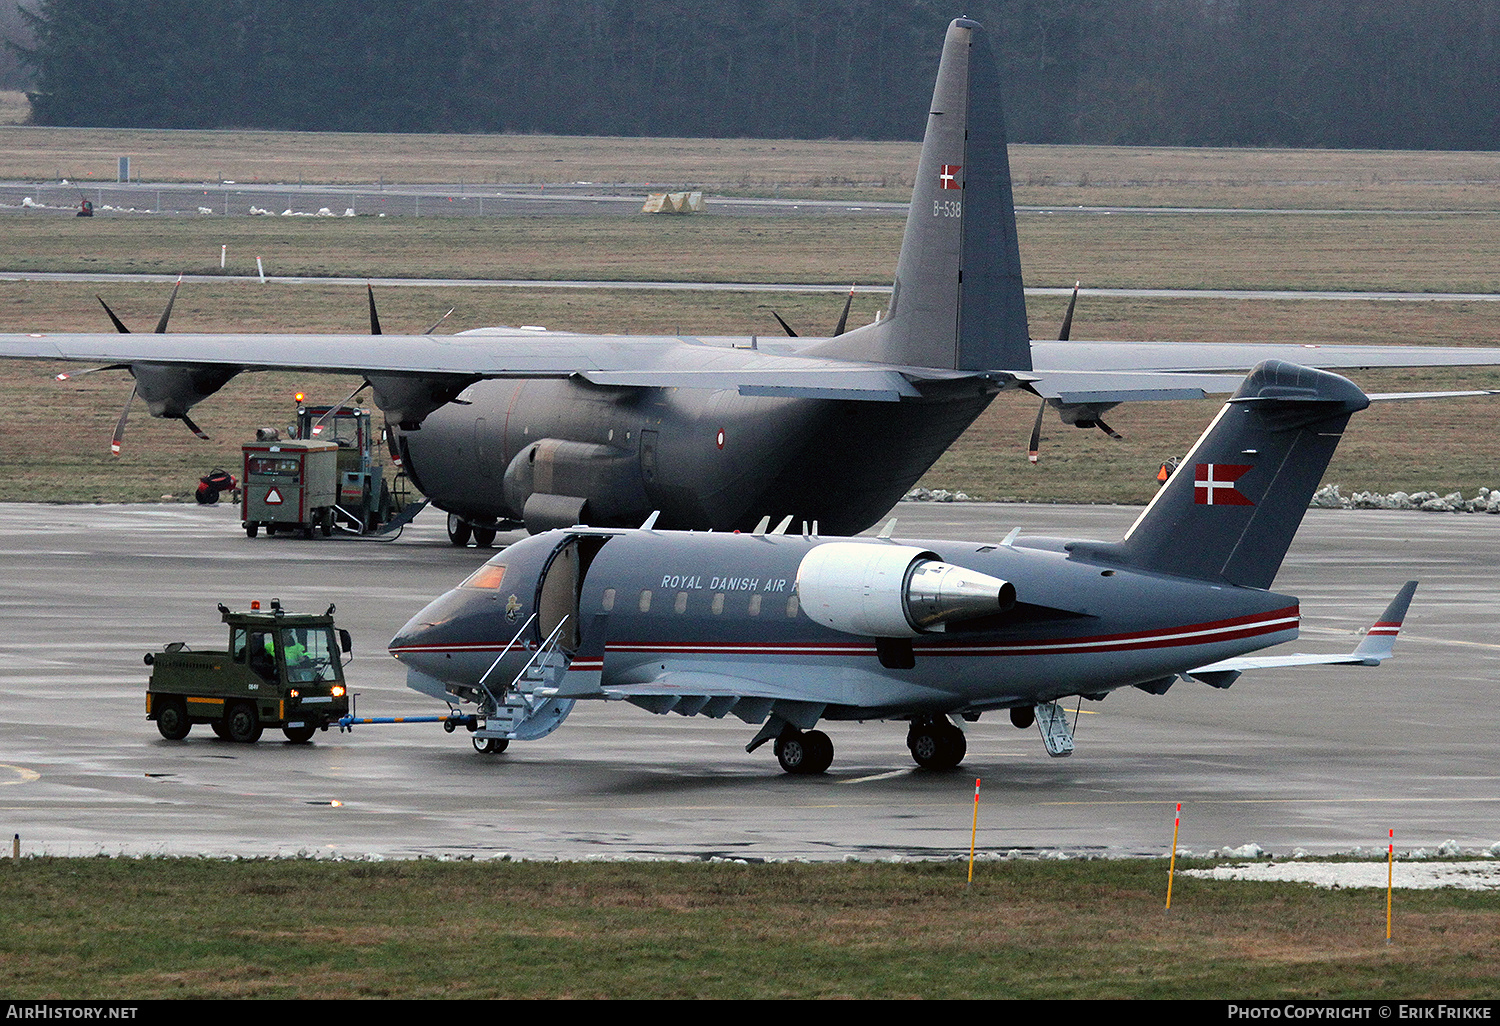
(488, 576)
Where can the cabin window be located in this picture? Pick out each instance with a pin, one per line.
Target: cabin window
(754, 609)
(717, 606)
(645, 600)
(681, 604)
(609, 599)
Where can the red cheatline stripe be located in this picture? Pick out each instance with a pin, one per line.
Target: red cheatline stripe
(1211, 632)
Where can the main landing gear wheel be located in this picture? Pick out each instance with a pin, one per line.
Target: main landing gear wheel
(172, 720)
(936, 744)
(484, 537)
(243, 724)
(809, 751)
(458, 530)
(491, 745)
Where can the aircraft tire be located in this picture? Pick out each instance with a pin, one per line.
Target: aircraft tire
(490, 745)
(243, 724)
(484, 537)
(458, 530)
(804, 752)
(172, 720)
(936, 745)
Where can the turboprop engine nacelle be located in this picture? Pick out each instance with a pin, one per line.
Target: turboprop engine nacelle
(893, 591)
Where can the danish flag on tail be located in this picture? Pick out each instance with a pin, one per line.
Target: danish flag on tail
(948, 177)
(1213, 484)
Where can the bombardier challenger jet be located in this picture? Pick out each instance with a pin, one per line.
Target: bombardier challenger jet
(506, 427)
(787, 631)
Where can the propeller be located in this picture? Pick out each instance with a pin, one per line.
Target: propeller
(390, 435)
(838, 330)
(1033, 450)
(161, 328)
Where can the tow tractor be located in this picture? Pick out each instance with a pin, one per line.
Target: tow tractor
(328, 475)
(280, 670)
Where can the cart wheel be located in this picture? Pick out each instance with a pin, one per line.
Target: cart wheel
(172, 720)
(243, 724)
(251, 529)
(325, 523)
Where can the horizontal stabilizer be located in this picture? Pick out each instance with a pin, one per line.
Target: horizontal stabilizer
(1378, 645)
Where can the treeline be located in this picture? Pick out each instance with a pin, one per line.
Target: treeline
(1338, 73)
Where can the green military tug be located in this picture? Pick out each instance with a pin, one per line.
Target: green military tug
(281, 670)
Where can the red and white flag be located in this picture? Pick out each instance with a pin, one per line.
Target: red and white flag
(948, 177)
(1213, 484)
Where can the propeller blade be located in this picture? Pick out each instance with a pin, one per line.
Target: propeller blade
(119, 324)
(166, 315)
(374, 317)
(1036, 434)
(334, 409)
(844, 317)
(392, 445)
(440, 320)
(194, 428)
(784, 325)
(1067, 325)
(119, 435)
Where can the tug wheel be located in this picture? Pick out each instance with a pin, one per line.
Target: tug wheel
(243, 724)
(172, 720)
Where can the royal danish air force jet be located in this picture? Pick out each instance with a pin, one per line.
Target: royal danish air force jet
(785, 631)
(504, 427)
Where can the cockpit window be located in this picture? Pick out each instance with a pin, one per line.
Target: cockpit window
(488, 576)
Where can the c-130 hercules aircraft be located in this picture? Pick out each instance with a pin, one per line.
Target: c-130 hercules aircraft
(786, 630)
(504, 427)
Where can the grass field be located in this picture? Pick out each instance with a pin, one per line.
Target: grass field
(164, 928)
(1047, 175)
(1407, 237)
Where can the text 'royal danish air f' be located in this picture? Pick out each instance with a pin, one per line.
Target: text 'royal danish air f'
(787, 630)
(505, 427)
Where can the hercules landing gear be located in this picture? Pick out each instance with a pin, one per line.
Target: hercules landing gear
(804, 751)
(935, 743)
(461, 530)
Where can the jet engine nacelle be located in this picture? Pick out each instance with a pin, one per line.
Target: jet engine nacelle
(893, 591)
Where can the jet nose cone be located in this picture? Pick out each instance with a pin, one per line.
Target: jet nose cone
(456, 637)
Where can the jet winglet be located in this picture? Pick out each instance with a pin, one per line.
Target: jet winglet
(1380, 639)
(1378, 645)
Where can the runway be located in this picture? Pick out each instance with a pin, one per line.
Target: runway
(1325, 759)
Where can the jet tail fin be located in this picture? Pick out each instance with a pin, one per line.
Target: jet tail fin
(1230, 511)
(958, 301)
